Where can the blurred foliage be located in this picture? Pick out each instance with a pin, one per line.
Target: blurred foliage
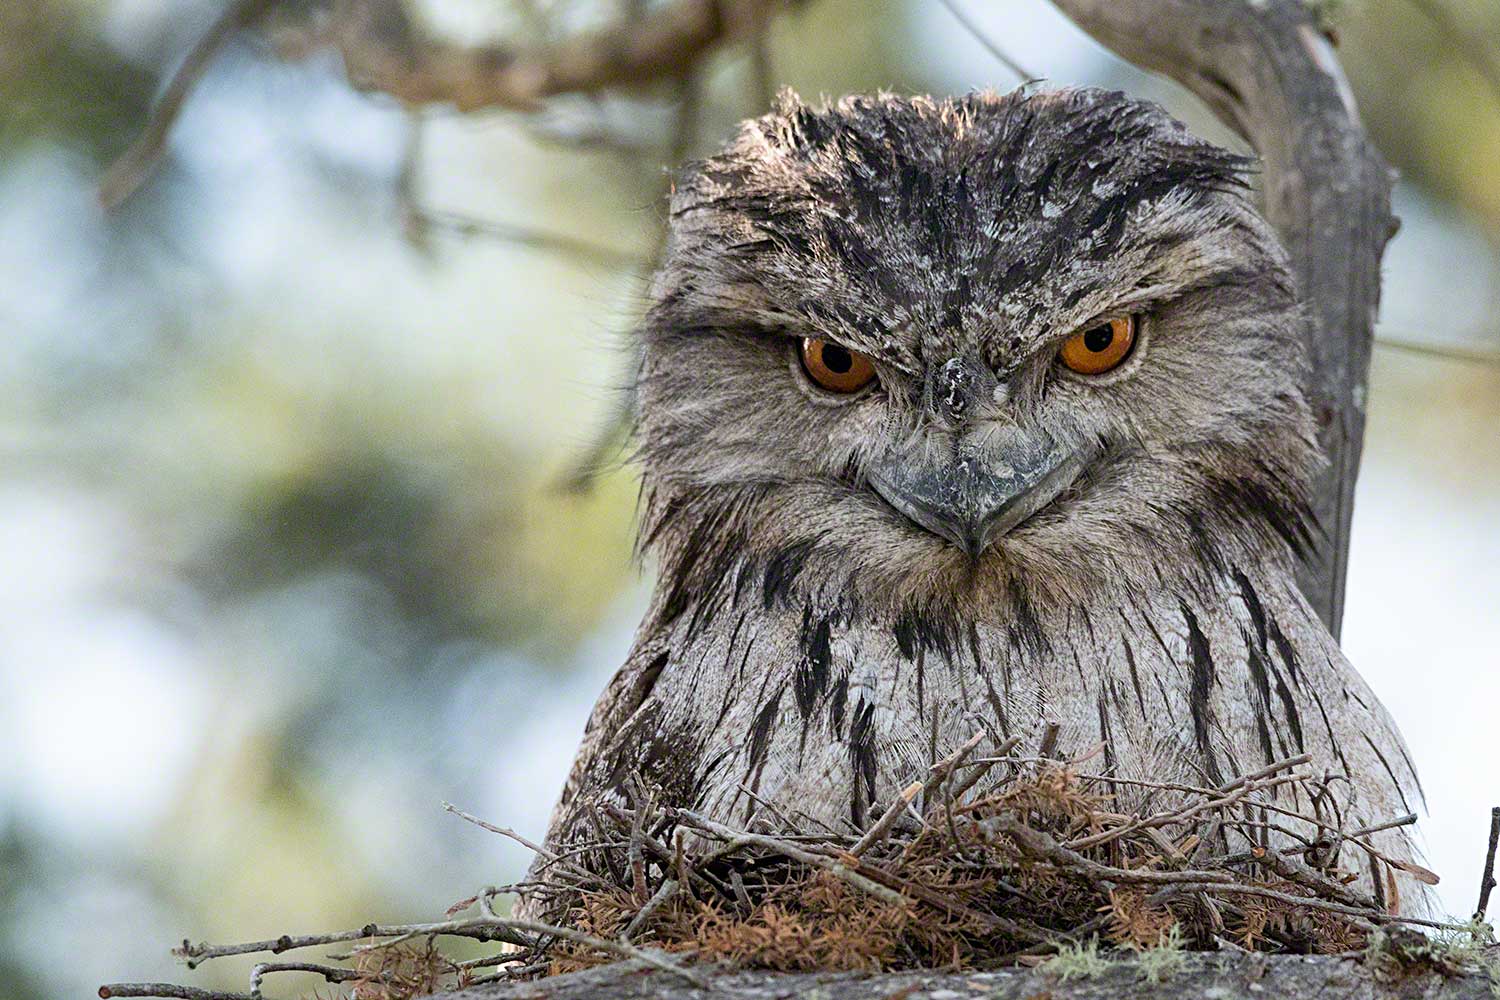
(60, 82)
(1425, 99)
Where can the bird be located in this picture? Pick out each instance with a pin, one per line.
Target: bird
(975, 415)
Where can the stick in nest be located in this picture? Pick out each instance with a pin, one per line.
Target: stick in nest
(1038, 860)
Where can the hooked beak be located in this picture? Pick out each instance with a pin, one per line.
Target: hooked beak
(975, 497)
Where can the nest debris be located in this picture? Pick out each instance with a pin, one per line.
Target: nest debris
(1008, 860)
(985, 862)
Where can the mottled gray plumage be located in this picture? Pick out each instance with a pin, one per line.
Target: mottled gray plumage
(811, 643)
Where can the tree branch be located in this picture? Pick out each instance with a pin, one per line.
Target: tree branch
(130, 170)
(382, 52)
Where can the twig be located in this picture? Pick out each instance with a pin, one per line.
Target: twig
(985, 765)
(167, 991)
(665, 42)
(1276, 767)
(836, 868)
(507, 975)
(1237, 791)
(330, 974)
(486, 927)
(787, 825)
(503, 831)
(478, 928)
(619, 948)
(887, 819)
(524, 236)
(1487, 881)
(1406, 819)
(1041, 845)
(937, 774)
(414, 222)
(664, 892)
(128, 172)
(1447, 352)
(1367, 918)
(1021, 73)
(608, 437)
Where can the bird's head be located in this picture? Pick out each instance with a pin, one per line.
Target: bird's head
(907, 350)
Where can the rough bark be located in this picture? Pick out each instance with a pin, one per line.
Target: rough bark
(1202, 977)
(1267, 70)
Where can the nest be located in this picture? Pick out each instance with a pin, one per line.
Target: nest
(983, 863)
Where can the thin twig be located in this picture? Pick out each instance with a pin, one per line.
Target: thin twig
(787, 825)
(1048, 746)
(1487, 881)
(836, 868)
(887, 819)
(480, 929)
(486, 927)
(507, 975)
(1020, 72)
(128, 172)
(618, 948)
(330, 974)
(1447, 352)
(664, 892)
(666, 42)
(167, 991)
(415, 223)
(976, 774)
(937, 774)
(524, 236)
(503, 831)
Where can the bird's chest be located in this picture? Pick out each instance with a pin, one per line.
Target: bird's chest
(828, 715)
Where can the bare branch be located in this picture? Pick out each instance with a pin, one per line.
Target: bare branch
(383, 50)
(833, 866)
(1004, 58)
(1487, 880)
(167, 991)
(1447, 352)
(663, 43)
(130, 170)
(664, 892)
(523, 236)
(415, 223)
(618, 948)
(503, 831)
(479, 929)
(938, 773)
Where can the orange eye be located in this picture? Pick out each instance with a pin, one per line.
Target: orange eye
(836, 368)
(1099, 348)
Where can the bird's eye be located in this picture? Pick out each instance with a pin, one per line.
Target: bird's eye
(836, 368)
(1099, 348)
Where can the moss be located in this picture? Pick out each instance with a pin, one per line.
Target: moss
(1164, 961)
(1079, 961)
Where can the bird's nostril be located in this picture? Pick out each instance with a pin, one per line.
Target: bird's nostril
(952, 388)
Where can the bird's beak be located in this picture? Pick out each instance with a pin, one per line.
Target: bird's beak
(978, 492)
